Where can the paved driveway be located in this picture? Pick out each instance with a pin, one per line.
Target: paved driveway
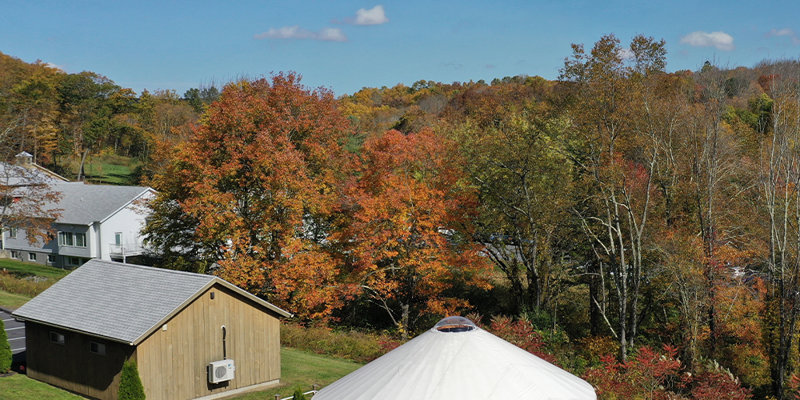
(16, 335)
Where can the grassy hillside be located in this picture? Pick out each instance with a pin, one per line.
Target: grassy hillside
(23, 268)
(111, 169)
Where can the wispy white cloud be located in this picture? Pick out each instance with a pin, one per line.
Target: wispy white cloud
(54, 66)
(720, 40)
(626, 53)
(332, 34)
(296, 32)
(785, 32)
(374, 16)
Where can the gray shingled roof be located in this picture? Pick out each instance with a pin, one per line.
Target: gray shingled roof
(15, 175)
(121, 302)
(83, 204)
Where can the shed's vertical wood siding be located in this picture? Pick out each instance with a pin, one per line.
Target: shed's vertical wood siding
(172, 363)
(71, 365)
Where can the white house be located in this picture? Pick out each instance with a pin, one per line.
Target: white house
(96, 221)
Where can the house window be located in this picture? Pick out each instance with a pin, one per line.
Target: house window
(71, 239)
(80, 239)
(51, 258)
(65, 239)
(12, 233)
(31, 256)
(14, 254)
(118, 238)
(72, 261)
(57, 338)
(97, 348)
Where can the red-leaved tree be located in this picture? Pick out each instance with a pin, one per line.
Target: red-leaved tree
(410, 226)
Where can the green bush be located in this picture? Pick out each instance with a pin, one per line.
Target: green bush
(130, 385)
(298, 394)
(5, 350)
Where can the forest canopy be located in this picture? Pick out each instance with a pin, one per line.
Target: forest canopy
(643, 225)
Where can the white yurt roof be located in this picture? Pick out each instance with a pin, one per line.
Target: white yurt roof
(457, 360)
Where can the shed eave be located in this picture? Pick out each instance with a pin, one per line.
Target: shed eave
(66, 328)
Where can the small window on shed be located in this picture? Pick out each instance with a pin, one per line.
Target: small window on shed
(57, 338)
(97, 348)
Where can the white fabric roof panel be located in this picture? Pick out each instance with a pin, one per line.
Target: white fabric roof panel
(458, 365)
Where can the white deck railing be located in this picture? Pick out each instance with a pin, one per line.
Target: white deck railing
(124, 250)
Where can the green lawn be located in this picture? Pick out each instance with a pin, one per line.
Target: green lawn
(110, 169)
(299, 369)
(303, 369)
(32, 268)
(20, 387)
(12, 301)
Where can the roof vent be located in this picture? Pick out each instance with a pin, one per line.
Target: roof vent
(455, 324)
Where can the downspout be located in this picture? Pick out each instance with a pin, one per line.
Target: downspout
(98, 239)
(224, 350)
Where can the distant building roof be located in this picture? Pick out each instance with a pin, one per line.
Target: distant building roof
(83, 204)
(32, 174)
(121, 302)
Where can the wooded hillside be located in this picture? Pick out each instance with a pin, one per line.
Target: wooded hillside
(643, 224)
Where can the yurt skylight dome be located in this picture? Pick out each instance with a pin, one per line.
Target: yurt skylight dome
(455, 324)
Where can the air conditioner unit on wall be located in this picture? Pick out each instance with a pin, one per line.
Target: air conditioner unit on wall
(220, 371)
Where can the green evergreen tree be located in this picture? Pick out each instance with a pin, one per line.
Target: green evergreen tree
(298, 394)
(5, 350)
(130, 385)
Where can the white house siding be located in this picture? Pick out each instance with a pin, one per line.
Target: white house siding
(99, 212)
(129, 221)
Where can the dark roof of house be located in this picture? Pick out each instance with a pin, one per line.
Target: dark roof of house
(83, 204)
(121, 302)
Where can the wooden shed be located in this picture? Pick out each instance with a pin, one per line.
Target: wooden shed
(191, 335)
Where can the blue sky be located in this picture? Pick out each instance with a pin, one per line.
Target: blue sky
(347, 45)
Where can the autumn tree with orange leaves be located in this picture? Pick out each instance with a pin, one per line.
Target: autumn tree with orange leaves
(410, 226)
(252, 191)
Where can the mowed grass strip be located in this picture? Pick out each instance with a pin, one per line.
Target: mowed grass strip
(302, 369)
(20, 387)
(12, 301)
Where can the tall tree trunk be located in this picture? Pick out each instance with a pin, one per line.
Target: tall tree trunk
(81, 172)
